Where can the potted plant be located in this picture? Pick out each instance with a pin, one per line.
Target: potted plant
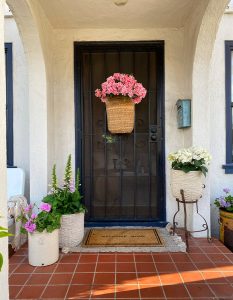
(3, 233)
(120, 93)
(225, 205)
(66, 200)
(42, 230)
(188, 167)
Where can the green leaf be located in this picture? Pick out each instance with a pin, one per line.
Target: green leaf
(3, 228)
(5, 234)
(1, 261)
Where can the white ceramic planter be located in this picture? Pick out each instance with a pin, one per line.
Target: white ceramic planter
(72, 230)
(43, 248)
(191, 183)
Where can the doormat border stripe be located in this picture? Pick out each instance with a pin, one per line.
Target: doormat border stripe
(87, 238)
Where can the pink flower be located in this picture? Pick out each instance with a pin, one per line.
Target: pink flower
(45, 207)
(117, 76)
(98, 93)
(30, 227)
(28, 208)
(33, 216)
(121, 84)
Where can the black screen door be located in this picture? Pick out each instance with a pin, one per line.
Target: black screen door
(122, 175)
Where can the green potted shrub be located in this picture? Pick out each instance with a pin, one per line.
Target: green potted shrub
(67, 201)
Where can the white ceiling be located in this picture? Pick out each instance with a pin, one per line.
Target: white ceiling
(105, 14)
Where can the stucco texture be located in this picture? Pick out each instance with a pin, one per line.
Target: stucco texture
(51, 84)
(21, 105)
(218, 178)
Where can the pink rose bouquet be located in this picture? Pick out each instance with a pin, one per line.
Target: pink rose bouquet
(121, 85)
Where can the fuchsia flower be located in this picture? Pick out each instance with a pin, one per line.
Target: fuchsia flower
(121, 84)
(29, 226)
(33, 216)
(45, 207)
(28, 208)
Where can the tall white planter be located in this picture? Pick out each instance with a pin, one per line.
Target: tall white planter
(191, 183)
(72, 230)
(43, 248)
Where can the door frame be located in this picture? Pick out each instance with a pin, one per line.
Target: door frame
(79, 48)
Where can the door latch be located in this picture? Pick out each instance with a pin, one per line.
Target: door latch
(153, 133)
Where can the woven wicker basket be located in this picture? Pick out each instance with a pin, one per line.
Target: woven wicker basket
(120, 114)
(72, 230)
(191, 183)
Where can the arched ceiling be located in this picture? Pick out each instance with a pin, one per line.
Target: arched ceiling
(105, 14)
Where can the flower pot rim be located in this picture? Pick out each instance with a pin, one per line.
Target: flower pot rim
(186, 172)
(77, 213)
(44, 231)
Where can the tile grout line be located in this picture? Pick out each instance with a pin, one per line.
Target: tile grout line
(72, 276)
(136, 272)
(50, 277)
(157, 273)
(93, 279)
(182, 277)
(209, 286)
(206, 282)
(25, 281)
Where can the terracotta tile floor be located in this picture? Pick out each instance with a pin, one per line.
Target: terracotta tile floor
(206, 272)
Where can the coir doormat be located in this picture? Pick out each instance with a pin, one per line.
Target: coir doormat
(122, 238)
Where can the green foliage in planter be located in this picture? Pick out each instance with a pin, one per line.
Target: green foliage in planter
(66, 199)
(196, 165)
(46, 219)
(3, 233)
(50, 221)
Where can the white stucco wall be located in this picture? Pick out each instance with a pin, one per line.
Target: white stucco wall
(64, 87)
(37, 92)
(20, 99)
(218, 178)
(57, 48)
(52, 129)
(3, 195)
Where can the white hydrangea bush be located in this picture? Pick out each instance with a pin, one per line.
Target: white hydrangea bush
(190, 159)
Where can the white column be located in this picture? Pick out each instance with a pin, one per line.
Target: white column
(201, 99)
(3, 197)
(26, 19)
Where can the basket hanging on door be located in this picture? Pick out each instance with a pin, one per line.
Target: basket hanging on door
(120, 114)
(120, 93)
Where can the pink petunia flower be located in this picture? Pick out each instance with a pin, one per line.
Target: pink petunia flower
(33, 216)
(45, 207)
(28, 208)
(30, 227)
